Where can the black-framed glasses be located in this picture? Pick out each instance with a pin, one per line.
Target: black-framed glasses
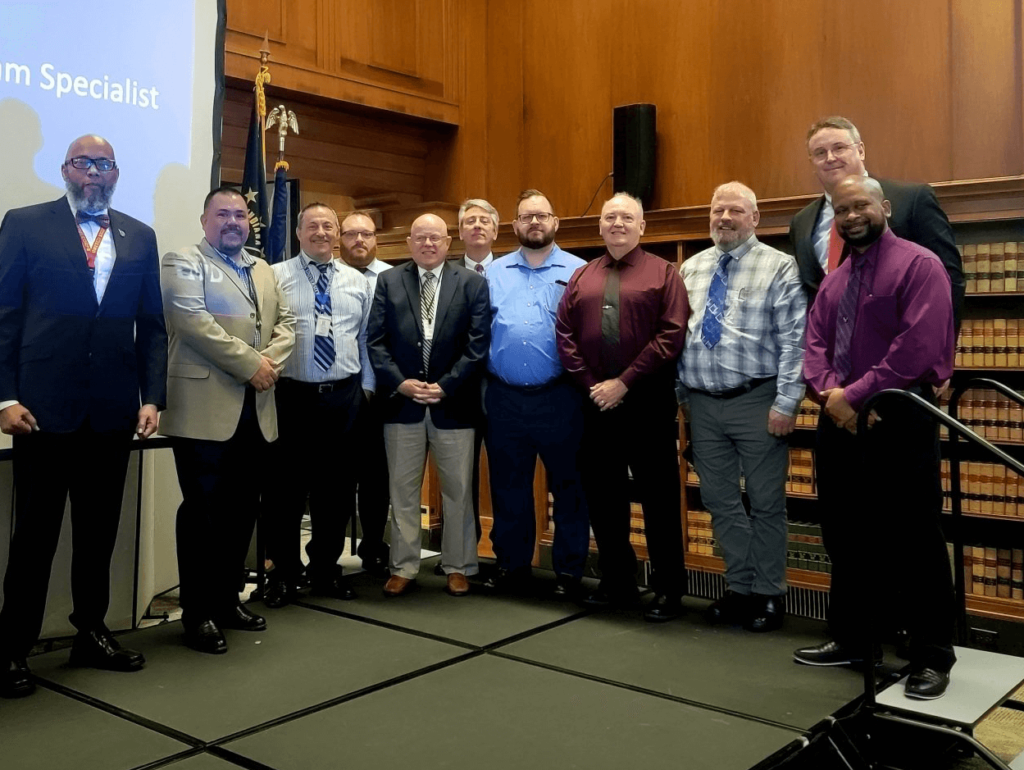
(83, 163)
(543, 218)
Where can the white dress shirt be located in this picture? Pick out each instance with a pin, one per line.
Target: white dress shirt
(471, 264)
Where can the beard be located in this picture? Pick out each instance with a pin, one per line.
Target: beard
(872, 232)
(350, 259)
(97, 199)
(728, 238)
(536, 239)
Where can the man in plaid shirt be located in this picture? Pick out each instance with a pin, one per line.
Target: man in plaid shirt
(741, 376)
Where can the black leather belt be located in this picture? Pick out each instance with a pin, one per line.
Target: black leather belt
(531, 388)
(743, 389)
(318, 387)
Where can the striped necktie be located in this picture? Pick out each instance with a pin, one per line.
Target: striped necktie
(846, 319)
(428, 287)
(714, 311)
(323, 346)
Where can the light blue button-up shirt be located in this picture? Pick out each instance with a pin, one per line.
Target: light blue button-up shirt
(524, 301)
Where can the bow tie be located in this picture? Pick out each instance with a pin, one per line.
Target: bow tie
(101, 219)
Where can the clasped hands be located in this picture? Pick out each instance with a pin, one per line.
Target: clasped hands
(608, 394)
(421, 392)
(840, 411)
(266, 375)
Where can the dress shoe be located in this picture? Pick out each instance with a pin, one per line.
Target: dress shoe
(376, 566)
(98, 649)
(568, 587)
(397, 585)
(240, 618)
(605, 598)
(766, 613)
(731, 608)
(927, 684)
(205, 637)
(16, 680)
(439, 570)
(457, 584)
(833, 654)
(280, 593)
(504, 580)
(663, 608)
(336, 588)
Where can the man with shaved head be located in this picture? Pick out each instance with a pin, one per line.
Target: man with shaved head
(83, 369)
(883, 319)
(428, 336)
(741, 371)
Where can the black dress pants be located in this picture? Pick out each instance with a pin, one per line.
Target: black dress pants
(220, 482)
(373, 499)
(880, 510)
(90, 467)
(639, 435)
(314, 457)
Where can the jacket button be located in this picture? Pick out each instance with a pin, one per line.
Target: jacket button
(252, 315)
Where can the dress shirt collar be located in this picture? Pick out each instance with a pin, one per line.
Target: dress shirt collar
(471, 263)
(631, 258)
(554, 259)
(739, 251)
(436, 271)
(313, 262)
(92, 213)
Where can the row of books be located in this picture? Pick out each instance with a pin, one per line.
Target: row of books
(804, 549)
(988, 488)
(989, 414)
(994, 572)
(992, 267)
(993, 343)
(807, 417)
(799, 477)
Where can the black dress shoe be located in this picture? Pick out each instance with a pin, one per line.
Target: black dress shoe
(568, 587)
(833, 654)
(605, 598)
(98, 649)
(504, 580)
(766, 613)
(205, 637)
(16, 680)
(731, 608)
(336, 588)
(439, 570)
(241, 618)
(927, 684)
(377, 566)
(663, 608)
(280, 593)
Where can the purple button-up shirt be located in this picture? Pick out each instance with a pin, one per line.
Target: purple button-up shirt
(903, 332)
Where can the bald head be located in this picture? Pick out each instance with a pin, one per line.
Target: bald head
(861, 211)
(90, 188)
(428, 241)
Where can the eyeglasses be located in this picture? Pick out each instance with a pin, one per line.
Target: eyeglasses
(83, 163)
(543, 218)
(364, 234)
(838, 150)
(419, 240)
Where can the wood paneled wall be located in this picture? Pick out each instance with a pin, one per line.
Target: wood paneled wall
(934, 85)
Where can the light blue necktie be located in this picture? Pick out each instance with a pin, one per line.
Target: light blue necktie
(323, 347)
(714, 311)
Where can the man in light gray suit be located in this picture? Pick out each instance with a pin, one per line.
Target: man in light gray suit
(229, 335)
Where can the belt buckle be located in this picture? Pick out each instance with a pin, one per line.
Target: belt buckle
(325, 387)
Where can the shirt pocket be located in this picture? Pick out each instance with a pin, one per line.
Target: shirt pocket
(746, 309)
(878, 315)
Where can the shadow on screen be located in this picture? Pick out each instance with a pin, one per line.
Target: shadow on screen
(24, 140)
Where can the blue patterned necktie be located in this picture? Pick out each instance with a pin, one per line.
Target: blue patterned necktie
(323, 347)
(714, 311)
(846, 318)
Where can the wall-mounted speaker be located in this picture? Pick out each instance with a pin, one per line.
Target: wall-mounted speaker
(635, 145)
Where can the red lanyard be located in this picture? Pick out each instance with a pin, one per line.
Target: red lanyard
(93, 250)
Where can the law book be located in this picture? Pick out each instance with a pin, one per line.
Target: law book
(996, 274)
(998, 489)
(972, 501)
(1010, 266)
(978, 570)
(989, 337)
(1017, 574)
(1012, 490)
(982, 269)
(967, 342)
(991, 570)
(1003, 573)
(991, 413)
(970, 260)
(1012, 342)
(985, 482)
(1016, 424)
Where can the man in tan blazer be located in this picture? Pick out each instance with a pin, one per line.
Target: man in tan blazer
(229, 333)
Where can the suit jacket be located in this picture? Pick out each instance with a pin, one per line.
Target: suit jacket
(462, 337)
(212, 322)
(64, 356)
(916, 216)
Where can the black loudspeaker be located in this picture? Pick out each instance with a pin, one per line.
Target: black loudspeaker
(636, 146)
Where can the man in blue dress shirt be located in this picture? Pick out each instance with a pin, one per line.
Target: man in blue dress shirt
(531, 405)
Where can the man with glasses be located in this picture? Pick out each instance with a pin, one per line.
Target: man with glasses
(532, 407)
(428, 336)
(620, 328)
(359, 250)
(83, 368)
(836, 151)
(319, 398)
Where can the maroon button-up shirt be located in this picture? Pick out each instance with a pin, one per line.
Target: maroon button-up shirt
(903, 329)
(653, 310)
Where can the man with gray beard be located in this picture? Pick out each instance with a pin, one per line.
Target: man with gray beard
(83, 368)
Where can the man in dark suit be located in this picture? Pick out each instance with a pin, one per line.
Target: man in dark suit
(836, 151)
(428, 335)
(81, 339)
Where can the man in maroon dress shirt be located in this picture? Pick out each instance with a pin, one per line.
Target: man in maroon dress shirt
(883, 319)
(620, 328)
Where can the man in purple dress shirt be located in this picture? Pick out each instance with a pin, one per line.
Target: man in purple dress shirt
(620, 328)
(883, 319)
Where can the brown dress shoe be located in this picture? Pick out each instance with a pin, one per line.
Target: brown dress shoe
(397, 585)
(457, 584)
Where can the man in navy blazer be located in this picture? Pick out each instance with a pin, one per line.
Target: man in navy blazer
(83, 368)
(427, 338)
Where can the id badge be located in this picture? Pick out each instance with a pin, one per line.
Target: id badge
(323, 326)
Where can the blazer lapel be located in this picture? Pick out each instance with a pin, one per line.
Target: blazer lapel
(122, 247)
(232, 276)
(70, 243)
(411, 279)
(449, 284)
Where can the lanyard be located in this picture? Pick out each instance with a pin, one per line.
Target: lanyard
(93, 250)
(320, 298)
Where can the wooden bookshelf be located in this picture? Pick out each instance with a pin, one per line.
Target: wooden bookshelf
(799, 578)
(994, 607)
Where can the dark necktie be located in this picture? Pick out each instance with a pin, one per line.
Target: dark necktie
(323, 346)
(479, 268)
(714, 311)
(101, 219)
(427, 289)
(610, 340)
(362, 270)
(846, 319)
